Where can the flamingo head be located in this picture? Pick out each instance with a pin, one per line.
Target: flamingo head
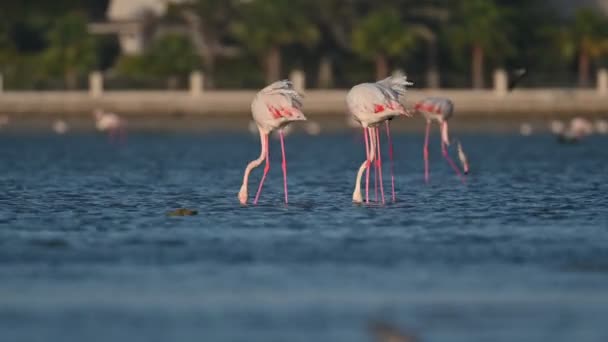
(243, 195)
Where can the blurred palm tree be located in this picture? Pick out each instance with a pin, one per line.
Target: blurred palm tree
(480, 26)
(172, 55)
(587, 37)
(208, 22)
(381, 35)
(335, 19)
(71, 51)
(169, 56)
(266, 26)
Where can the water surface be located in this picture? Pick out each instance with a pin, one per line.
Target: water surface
(87, 253)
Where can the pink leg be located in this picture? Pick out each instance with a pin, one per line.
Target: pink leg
(426, 152)
(390, 156)
(266, 168)
(379, 164)
(284, 165)
(444, 150)
(376, 179)
(367, 165)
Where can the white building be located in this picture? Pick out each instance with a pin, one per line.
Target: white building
(133, 22)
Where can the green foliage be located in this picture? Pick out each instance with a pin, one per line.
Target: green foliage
(480, 23)
(43, 40)
(587, 34)
(382, 32)
(71, 48)
(170, 55)
(265, 24)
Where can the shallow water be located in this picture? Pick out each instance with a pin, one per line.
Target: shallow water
(87, 252)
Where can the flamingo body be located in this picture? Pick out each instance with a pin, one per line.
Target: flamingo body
(373, 103)
(273, 108)
(111, 123)
(370, 104)
(435, 108)
(441, 110)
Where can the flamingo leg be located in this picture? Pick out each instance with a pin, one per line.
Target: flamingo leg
(379, 163)
(444, 151)
(372, 147)
(426, 151)
(367, 164)
(284, 164)
(266, 168)
(390, 156)
(376, 178)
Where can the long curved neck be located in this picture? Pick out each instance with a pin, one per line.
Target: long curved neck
(255, 163)
(444, 133)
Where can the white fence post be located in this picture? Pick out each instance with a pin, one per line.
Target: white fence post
(196, 83)
(96, 84)
(501, 82)
(298, 79)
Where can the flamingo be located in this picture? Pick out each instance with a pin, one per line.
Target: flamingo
(441, 110)
(371, 104)
(112, 123)
(273, 108)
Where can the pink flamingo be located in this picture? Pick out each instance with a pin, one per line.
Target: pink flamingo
(274, 107)
(112, 123)
(371, 104)
(441, 110)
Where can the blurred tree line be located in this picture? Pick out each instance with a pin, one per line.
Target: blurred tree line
(245, 43)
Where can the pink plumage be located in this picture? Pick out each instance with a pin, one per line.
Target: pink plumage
(273, 108)
(371, 104)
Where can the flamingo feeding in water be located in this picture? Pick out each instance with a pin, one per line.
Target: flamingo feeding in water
(273, 108)
(371, 104)
(112, 123)
(441, 110)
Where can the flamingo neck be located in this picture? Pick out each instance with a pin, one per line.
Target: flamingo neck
(444, 133)
(255, 163)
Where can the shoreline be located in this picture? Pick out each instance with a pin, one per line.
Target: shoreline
(532, 103)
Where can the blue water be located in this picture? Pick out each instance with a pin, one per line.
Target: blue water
(87, 252)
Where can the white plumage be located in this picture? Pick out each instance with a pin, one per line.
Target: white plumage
(273, 108)
(370, 104)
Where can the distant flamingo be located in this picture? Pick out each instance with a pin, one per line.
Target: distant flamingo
(441, 110)
(111, 123)
(371, 104)
(274, 107)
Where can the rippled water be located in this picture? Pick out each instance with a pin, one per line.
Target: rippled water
(87, 252)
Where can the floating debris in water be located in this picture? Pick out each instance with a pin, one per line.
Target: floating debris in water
(557, 126)
(313, 128)
(601, 126)
(182, 212)
(384, 332)
(60, 127)
(526, 129)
